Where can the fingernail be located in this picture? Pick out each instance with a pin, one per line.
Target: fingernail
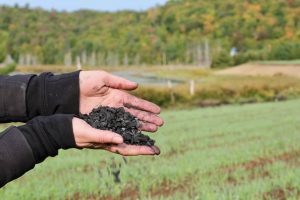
(117, 140)
(155, 150)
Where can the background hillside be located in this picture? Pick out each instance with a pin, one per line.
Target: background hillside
(194, 32)
(242, 148)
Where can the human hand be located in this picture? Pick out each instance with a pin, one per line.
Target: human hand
(99, 88)
(89, 137)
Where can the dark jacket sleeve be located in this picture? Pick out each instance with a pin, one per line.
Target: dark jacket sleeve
(23, 147)
(13, 97)
(23, 97)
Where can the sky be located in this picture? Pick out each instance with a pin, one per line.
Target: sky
(102, 5)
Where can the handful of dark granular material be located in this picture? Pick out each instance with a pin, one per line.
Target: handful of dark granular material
(119, 121)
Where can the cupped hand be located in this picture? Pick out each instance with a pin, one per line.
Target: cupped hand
(99, 88)
(89, 137)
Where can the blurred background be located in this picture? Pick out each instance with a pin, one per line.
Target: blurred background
(226, 73)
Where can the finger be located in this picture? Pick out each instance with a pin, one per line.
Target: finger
(148, 127)
(132, 150)
(104, 137)
(119, 82)
(146, 116)
(131, 101)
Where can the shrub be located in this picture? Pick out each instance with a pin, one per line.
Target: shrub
(159, 96)
(248, 56)
(286, 51)
(223, 92)
(7, 69)
(221, 60)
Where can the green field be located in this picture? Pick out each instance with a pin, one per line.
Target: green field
(230, 152)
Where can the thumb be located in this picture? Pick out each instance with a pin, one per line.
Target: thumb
(119, 82)
(103, 137)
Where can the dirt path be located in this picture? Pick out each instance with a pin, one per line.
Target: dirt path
(251, 69)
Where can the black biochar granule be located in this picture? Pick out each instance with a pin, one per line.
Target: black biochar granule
(119, 121)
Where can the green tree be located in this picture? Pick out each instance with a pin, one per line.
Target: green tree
(3, 45)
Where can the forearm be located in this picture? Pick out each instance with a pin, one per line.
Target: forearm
(13, 97)
(23, 147)
(53, 94)
(24, 97)
(16, 156)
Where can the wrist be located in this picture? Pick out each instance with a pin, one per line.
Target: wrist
(47, 134)
(49, 94)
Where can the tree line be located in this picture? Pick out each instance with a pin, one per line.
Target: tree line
(197, 32)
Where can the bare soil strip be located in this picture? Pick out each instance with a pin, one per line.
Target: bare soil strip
(262, 70)
(166, 188)
(261, 162)
(280, 193)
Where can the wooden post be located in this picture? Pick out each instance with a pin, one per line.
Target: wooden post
(78, 63)
(192, 87)
(170, 86)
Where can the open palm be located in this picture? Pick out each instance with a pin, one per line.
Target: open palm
(89, 137)
(99, 88)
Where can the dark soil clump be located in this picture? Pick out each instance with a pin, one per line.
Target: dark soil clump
(119, 121)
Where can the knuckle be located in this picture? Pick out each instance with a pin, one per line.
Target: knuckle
(101, 139)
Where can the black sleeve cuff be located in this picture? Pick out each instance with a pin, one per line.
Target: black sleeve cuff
(16, 156)
(46, 135)
(13, 97)
(49, 94)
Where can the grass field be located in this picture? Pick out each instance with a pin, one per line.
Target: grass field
(230, 152)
